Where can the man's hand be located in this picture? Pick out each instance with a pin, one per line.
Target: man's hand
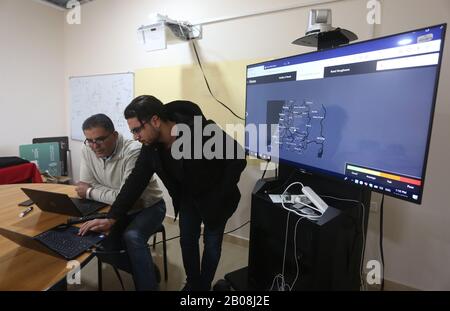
(82, 188)
(99, 225)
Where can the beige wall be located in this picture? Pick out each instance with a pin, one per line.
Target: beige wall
(31, 74)
(417, 238)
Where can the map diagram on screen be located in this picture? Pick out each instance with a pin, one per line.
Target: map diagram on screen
(300, 126)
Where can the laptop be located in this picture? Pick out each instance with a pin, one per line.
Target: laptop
(60, 203)
(61, 241)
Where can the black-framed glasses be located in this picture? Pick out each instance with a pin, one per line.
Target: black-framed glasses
(98, 141)
(137, 130)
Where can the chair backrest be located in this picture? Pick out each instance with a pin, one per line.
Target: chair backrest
(63, 150)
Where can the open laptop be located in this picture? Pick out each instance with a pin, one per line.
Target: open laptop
(60, 203)
(61, 241)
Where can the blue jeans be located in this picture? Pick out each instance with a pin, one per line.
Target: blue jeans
(132, 233)
(199, 277)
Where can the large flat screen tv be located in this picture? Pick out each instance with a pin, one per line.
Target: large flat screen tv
(361, 113)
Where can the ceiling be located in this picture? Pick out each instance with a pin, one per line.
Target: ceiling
(63, 3)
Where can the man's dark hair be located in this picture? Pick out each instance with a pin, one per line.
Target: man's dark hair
(144, 108)
(99, 120)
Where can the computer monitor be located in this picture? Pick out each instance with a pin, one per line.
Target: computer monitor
(63, 142)
(361, 113)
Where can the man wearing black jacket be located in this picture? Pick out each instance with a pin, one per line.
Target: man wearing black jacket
(202, 182)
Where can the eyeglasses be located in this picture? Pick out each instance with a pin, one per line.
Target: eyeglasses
(98, 141)
(137, 130)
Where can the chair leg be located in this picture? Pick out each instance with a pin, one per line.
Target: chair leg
(164, 254)
(119, 277)
(99, 274)
(154, 241)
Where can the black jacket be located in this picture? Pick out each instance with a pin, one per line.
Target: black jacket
(210, 183)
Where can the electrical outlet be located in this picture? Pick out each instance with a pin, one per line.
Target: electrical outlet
(374, 207)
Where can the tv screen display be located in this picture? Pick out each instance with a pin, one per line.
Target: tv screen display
(361, 113)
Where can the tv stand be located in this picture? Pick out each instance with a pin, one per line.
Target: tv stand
(328, 252)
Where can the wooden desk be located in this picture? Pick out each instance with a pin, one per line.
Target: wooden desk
(22, 268)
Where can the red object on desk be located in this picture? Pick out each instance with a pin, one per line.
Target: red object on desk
(22, 173)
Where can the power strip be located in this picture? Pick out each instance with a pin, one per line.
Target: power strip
(290, 198)
(301, 198)
(315, 199)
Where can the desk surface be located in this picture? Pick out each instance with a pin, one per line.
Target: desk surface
(22, 268)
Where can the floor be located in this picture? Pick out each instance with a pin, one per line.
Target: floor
(234, 256)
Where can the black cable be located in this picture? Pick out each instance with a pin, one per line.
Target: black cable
(282, 185)
(207, 83)
(364, 237)
(381, 242)
(265, 170)
(238, 227)
(173, 238)
(176, 237)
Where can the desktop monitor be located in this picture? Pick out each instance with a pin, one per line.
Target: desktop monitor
(361, 113)
(44, 155)
(63, 142)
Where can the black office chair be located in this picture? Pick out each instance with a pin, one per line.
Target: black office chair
(163, 232)
(119, 260)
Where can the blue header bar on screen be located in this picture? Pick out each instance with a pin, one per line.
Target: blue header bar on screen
(404, 39)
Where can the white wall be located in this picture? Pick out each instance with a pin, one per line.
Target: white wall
(31, 74)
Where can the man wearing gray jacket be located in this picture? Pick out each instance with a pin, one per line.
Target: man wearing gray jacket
(106, 161)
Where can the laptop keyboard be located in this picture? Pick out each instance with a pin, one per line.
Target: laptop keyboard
(87, 207)
(65, 241)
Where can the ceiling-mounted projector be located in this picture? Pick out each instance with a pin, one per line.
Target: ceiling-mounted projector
(153, 36)
(181, 29)
(321, 34)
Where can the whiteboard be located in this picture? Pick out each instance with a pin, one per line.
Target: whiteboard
(108, 94)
